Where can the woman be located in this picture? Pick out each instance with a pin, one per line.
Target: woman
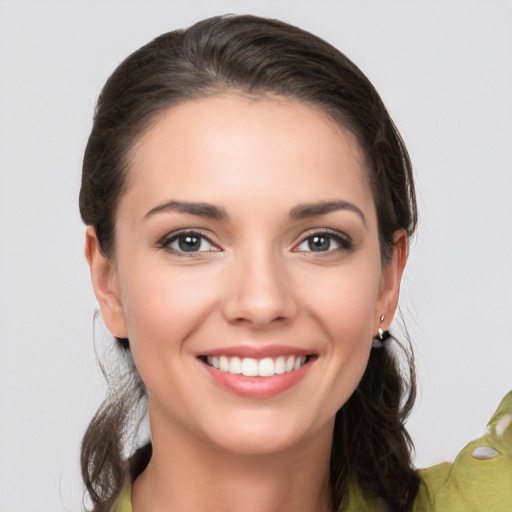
(249, 204)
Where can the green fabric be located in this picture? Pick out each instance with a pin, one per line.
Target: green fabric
(468, 484)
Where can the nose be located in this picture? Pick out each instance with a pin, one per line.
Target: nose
(259, 292)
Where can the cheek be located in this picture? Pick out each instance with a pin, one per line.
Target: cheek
(162, 308)
(350, 321)
(343, 306)
(344, 300)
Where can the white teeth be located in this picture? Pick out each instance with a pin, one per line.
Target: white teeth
(235, 365)
(223, 363)
(213, 361)
(266, 367)
(279, 365)
(299, 361)
(251, 367)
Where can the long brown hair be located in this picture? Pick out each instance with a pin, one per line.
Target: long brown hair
(257, 56)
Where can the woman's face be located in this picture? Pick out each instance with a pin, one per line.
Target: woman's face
(246, 242)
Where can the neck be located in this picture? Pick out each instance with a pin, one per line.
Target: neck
(188, 475)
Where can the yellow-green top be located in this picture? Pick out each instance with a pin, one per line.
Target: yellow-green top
(479, 480)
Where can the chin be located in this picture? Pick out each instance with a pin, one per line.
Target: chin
(266, 433)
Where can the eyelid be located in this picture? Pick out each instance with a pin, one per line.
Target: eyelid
(345, 241)
(165, 241)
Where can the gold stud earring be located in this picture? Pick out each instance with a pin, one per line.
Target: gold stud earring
(382, 336)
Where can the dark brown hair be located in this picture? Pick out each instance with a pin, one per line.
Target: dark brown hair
(257, 56)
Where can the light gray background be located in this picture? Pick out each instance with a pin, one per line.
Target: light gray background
(444, 69)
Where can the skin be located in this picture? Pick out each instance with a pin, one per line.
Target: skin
(256, 282)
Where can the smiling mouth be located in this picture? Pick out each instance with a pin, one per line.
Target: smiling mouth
(251, 367)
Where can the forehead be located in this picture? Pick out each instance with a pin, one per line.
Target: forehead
(211, 148)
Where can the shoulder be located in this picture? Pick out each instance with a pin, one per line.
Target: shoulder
(480, 478)
(124, 501)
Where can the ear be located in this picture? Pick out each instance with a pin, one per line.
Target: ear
(390, 281)
(106, 287)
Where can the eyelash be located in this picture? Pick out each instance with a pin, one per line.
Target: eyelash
(344, 242)
(167, 240)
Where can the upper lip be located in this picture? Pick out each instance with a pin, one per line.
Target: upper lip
(257, 351)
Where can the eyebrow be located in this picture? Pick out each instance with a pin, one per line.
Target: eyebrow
(201, 209)
(304, 211)
(211, 211)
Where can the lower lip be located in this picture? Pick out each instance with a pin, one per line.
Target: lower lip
(257, 387)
